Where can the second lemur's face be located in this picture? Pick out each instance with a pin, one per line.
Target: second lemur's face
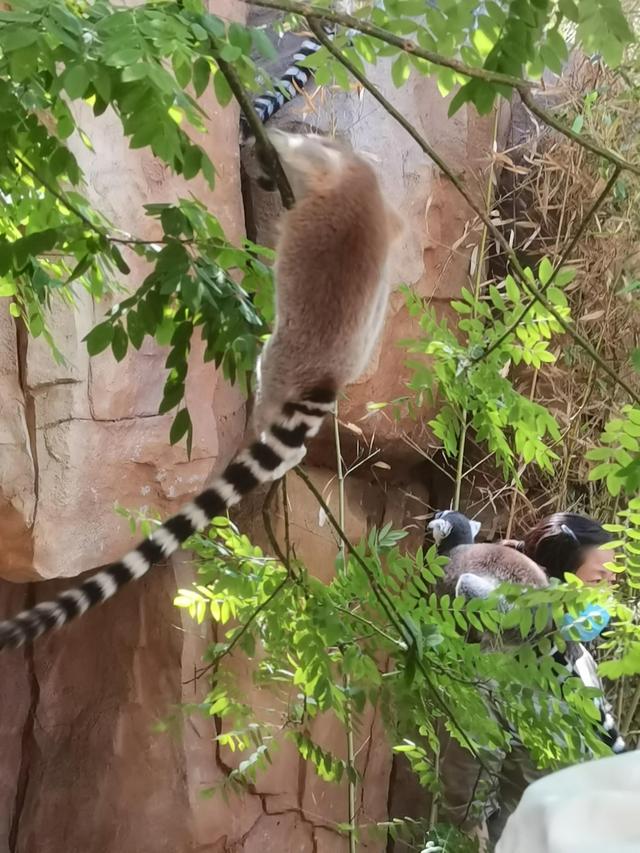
(447, 522)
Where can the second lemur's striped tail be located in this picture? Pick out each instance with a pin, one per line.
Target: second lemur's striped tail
(280, 448)
(292, 82)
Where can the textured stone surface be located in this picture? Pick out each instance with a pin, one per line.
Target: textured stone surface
(76, 438)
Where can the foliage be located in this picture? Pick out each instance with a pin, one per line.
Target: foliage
(619, 459)
(139, 62)
(379, 633)
(469, 363)
(144, 63)
(331, 649)
(507, 36)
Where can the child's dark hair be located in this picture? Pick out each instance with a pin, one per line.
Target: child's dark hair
(557, 542)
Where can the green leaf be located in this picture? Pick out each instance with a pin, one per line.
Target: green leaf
(125, 57)
(400, 70)
(191, 162)
(15, 38)
(221, 88)
(173, 394)
(263, 44)
(76, 81)
(181, 425)
(230, 53)
(99, 338)
(570, 10)
(201, 74)
(545, 270)
(119, 260)
(135, 329)
(119, 342)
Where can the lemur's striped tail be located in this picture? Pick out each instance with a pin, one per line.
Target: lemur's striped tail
(292, 82)
(280, 448)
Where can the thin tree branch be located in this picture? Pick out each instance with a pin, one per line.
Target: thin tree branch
(266, 521)
(522, 87)
(243, 630)
(372, 627)
(480, 213)
(566, 253)
(101, 232)
(268, 153)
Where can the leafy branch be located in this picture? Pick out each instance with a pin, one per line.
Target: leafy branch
(523, 87)
(406, 630)
(314, 13)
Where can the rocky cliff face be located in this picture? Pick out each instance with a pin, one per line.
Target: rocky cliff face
(82, 768)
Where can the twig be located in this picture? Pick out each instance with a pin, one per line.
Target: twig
(268, 152)
(370, 625)
(482, 215)
(476, 291)
(285, 512)
(266, 521)
(351, 783)
(381, 594)
(514, 482)
(340, 476)
(548, 118)
(351, 793)
(243, 630)
(633, 707)
(566, 254)
(101, 232)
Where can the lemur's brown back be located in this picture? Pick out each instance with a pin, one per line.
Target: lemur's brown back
(331, 272)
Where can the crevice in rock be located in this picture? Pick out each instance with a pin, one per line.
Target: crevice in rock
(390, 791)
(22, 339)
(28, 742)
(69, 420)
(52, 383)
(367, 757)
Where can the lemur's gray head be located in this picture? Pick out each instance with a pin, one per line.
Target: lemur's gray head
(450, 529)
(304, 155)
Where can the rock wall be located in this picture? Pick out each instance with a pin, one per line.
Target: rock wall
(82, 769)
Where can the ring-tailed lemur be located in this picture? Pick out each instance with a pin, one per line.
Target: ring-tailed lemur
(331, 297)
(475, 569)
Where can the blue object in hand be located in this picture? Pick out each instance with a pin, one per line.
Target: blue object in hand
(598, 619)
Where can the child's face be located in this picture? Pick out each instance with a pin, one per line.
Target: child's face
(592, 571)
